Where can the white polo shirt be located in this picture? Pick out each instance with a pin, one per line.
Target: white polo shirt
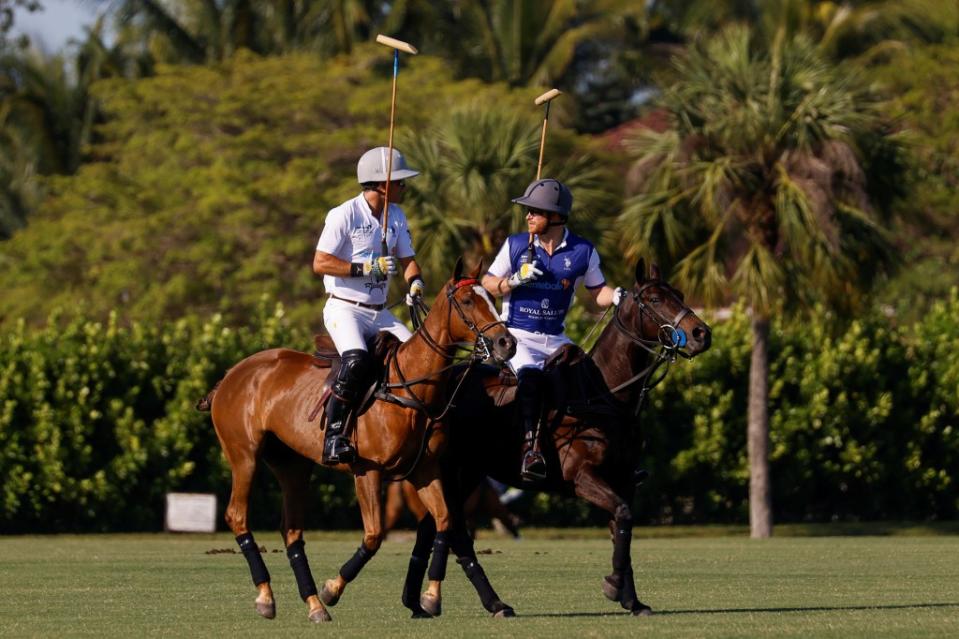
(353, 234)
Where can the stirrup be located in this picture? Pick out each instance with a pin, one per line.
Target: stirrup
(534, 466)
(338, 450)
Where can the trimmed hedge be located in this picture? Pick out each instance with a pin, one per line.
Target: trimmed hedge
(97, 423)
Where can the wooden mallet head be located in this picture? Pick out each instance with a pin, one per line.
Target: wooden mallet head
(406, 47)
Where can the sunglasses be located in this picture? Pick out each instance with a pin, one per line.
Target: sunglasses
(535, 212)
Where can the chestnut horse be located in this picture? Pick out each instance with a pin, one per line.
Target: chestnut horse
(593, 455)
(265, 409)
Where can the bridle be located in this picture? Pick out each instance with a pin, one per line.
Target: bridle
(670, 338)
(669, 342)
(482, 346)
(482, 349)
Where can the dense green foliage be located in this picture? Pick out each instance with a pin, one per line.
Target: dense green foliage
(98, 423)
(211, 184)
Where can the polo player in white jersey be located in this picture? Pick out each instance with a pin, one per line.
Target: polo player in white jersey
(355, 276)
(538, 292)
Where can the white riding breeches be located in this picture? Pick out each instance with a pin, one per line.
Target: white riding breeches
(533, 349)
(351, 326)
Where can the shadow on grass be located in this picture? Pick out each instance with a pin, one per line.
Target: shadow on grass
(718, 611)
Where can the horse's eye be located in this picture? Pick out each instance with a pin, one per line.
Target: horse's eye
(654, 300)
(468, 302)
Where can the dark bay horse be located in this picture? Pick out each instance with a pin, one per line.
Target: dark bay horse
(262, 410)
(593, 455)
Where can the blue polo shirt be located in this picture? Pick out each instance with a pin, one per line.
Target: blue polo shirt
(540, 306)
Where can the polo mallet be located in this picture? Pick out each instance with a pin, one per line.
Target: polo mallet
(397, 46)
(546, 99)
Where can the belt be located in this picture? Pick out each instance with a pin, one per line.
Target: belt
(372, 307)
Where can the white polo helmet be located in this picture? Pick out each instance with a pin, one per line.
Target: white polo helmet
(373, 164)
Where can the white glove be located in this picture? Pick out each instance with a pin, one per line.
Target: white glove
(526, 273)
(417, 288)
(619, 294)
(381, 268)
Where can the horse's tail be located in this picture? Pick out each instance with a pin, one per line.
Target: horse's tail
(205, 403)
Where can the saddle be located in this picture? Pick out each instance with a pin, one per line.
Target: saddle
(381, 345)
(574, 386)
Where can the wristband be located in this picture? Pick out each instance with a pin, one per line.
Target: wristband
(356, 270)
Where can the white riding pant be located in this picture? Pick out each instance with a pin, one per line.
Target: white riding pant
(533, 349)
(350, 325)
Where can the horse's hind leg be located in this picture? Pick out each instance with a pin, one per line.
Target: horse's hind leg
(243, 467)
(461, 543)
(618, 586)
(293, 473)
(368, 495)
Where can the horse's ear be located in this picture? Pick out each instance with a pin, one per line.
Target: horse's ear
(458, 269)
(654, 271)
(478, 270)
(641, 271)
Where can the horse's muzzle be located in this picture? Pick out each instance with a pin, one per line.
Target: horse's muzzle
(700, 339)
(504, 347)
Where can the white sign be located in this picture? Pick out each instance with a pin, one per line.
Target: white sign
(190, 512)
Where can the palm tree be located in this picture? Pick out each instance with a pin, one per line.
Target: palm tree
(528, 42)
(479, 158)
(766, 187)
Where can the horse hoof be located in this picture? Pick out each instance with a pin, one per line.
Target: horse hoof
(612, 592)
(430, 605)
(320, 615)
(505, 613)
(420, 614)
(643, 611)
(266, 610)
(327, 596)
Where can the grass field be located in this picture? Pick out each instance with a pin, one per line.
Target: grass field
(699, 586)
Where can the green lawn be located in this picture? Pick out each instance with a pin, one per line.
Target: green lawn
(722, 586)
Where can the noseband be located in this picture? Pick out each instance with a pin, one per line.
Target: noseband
(670, 338)
(482, 346)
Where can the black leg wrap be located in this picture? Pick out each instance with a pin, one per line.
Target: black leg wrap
(440, 555)
(352, 568)
(253, 558)
(622, 564)
(476, 575)
(622, 538)
(414, 582)
(425, 533)
(301, 569)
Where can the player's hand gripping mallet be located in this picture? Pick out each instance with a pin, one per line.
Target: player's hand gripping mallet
(397, 46)
(546, 99)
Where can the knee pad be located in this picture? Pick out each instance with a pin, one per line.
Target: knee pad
(353, 373)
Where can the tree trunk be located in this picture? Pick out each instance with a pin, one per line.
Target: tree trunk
(757, 435)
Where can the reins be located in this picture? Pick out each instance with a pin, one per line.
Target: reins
(481, 351)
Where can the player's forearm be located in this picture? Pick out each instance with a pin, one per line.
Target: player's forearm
(326, 264)
(496, 286)
(603, 296)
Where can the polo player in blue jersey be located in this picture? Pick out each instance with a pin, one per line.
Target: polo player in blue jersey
(537, 287)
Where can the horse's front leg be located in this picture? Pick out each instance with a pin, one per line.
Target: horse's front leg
(619, 586)
(429, 488)
(368, 497)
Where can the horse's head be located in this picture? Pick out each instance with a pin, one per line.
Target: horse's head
(473, 316)
(656, 312)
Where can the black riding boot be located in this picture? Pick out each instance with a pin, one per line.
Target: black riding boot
(529, 394)
(350, 382)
